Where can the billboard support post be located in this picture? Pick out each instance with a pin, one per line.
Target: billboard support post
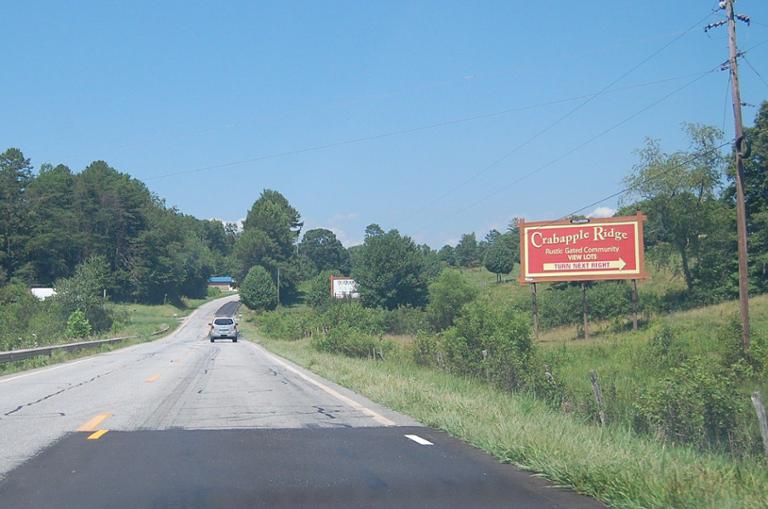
(582, 250)
(634, 305)
(535, 310)
(585, 309)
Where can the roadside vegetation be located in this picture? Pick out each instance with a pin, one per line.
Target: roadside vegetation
(679, 427)
(614, 464)
(75, 314)
(136, 322)
(445, 335)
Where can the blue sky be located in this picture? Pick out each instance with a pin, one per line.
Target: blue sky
(162, 90)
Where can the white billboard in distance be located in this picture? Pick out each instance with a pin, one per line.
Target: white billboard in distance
(344, 288)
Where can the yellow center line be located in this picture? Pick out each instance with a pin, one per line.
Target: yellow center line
(153, 378)
(94, 422)
(98, 434)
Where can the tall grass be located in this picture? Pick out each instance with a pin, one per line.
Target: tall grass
(140, 320)
(612, 464)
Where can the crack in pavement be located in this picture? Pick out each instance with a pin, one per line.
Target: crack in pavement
(323, 411)
(60, 391)
(124, 365)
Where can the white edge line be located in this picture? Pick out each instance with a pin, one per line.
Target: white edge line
(354, 404)
(52, 368)
(419, 440)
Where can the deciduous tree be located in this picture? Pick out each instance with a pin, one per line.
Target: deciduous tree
(499, 258)
(324, 250)
(389, 270)
(258, 290)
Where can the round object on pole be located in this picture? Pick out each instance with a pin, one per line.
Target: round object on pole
(743, 147)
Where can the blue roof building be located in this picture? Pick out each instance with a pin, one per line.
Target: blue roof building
(225, 283)
(221, 280)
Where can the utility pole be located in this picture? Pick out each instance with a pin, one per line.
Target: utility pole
(741, 219)
(740, 150)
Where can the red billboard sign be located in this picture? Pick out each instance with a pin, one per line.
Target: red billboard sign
(594, 249)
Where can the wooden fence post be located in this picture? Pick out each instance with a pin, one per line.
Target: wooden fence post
(535, 309)
(634, 304)
(585, 309)
(598, 396)
(757, 400)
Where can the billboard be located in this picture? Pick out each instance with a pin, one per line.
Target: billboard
(582, 250)
(344, 288)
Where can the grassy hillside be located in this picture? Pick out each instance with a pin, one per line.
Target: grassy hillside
(613, 464)
(679, 431)
(560, 309)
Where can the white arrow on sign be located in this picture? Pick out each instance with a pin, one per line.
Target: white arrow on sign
(612, 264)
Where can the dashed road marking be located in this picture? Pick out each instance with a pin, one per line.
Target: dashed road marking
(91, 424)
(419, 440)
(98, 434)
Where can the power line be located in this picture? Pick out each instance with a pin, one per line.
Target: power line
(755, 46)
(647, 180)
(564, 117)
(585, 143)
(755, 70)
(399, 132)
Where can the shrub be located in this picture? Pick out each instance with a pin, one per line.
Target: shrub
(758, 351)
(609, 299)
(353, 315)
(559, 306)
(447, 295)
(492, 341)
(729, 342)
(425, 349)
(77, 325)
(319, 292)
(120, 318)
(499, 259)
(345, 340)
(283, 324)
(698, 402)
(665, 348)
(258, 291)
(212, 291)
(562, 304)
(406, 320)
(16, 306)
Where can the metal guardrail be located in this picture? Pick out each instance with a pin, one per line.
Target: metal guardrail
(27, 353)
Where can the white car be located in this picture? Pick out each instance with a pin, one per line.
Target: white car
(223, 328)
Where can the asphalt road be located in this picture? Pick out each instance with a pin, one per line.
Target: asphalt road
(181, 422)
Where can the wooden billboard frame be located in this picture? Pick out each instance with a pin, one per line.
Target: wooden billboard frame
(638, 218)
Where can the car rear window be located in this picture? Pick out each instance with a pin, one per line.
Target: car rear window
(223, 321)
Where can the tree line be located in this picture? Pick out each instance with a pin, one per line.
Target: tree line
(53, 220)
(56, 219)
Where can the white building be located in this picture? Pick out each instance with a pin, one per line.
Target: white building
(344, 288)
(43, 293)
